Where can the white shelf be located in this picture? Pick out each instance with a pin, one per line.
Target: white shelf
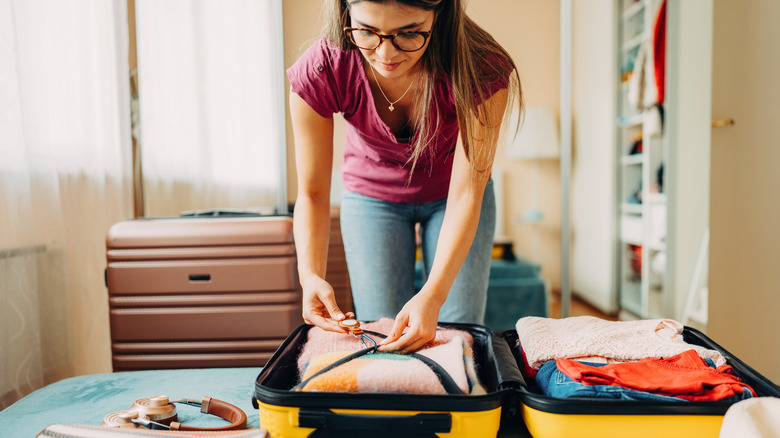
(632, 120)
(633, 10)
(631, 160)
(633, 43)
(655, 303)
(631, 241)
(656, 198)
(632, 209)
(631, 295)
(656, 247)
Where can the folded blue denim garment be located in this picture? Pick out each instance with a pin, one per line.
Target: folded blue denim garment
(554, 383)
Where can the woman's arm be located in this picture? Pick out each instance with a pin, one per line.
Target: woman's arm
(311, 222)
(419, 316)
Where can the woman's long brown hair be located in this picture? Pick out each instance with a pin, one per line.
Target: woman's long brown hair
(460, 50)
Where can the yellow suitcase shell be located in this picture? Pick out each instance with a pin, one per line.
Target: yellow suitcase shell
(281, 421)
(546, 425)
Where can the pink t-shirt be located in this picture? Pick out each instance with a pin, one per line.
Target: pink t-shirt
(376, 163)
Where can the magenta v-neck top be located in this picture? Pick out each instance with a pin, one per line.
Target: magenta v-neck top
(376, 163)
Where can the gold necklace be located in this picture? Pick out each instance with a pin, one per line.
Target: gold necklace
(392, 104)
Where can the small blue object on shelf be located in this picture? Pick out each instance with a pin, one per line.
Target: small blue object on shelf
(515, 290)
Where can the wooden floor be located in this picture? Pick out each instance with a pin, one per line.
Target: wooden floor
(578, 308)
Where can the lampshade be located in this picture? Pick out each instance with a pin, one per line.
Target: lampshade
(538, 135)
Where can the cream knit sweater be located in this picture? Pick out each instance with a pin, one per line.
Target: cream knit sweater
(593, 339)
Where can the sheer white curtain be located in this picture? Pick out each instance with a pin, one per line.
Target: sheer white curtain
(64, 179)
(211, 84)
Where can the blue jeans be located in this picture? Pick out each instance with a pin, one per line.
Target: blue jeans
(379, 242)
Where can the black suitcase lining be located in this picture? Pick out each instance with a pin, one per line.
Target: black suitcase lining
(497, 375)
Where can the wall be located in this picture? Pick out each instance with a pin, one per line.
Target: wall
(593, 182)
(301, 28)
(529, 30)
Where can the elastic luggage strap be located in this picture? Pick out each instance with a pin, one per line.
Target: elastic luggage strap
(444, 377)
(341, 361)
(446, 380)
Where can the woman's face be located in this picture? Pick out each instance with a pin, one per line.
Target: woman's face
(388, 19)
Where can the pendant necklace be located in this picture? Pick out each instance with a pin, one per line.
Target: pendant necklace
(392, 104)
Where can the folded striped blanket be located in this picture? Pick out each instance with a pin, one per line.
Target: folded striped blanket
(387, 372)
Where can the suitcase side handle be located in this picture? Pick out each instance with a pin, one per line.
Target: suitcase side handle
(418, 425)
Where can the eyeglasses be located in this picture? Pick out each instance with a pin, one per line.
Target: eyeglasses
(403, 41)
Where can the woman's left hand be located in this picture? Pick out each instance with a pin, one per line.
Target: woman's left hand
(414, 326)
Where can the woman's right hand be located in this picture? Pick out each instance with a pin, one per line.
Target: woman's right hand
(319, 305)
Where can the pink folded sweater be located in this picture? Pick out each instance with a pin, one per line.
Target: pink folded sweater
(587, 338)
(387, 372)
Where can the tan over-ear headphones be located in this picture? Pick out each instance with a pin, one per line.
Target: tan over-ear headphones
(159, 413)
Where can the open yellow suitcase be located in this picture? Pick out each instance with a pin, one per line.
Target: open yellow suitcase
(512, 407)
(291, 414)
(548, 417)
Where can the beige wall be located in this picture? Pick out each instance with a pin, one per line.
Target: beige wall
(301, 29)
(529, 30)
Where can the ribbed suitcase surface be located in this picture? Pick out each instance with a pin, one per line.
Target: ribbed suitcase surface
(200, 292)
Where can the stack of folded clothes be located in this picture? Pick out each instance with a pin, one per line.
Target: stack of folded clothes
(387, 372)
(631, 360)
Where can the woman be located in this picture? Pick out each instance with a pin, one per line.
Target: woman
(423, 90)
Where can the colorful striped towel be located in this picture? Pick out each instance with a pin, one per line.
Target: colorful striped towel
(387, 372)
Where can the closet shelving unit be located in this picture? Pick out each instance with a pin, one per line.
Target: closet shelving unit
(642, 210)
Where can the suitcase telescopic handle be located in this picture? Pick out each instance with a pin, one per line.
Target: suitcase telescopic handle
(507, 368)
(418, 425)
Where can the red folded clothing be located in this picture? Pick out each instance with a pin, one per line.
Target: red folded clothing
(685, 375)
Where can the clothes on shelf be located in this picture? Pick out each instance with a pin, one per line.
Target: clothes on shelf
(659, 51)
(646, 84)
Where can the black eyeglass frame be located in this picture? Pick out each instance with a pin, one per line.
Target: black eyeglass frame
(382, 38)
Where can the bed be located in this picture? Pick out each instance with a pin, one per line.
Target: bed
(87, 399)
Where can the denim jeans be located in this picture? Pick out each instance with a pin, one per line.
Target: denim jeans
(379, 242)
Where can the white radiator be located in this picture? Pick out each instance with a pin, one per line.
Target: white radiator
(34, 319)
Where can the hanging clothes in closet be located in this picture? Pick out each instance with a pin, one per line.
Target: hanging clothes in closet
(646, 87)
